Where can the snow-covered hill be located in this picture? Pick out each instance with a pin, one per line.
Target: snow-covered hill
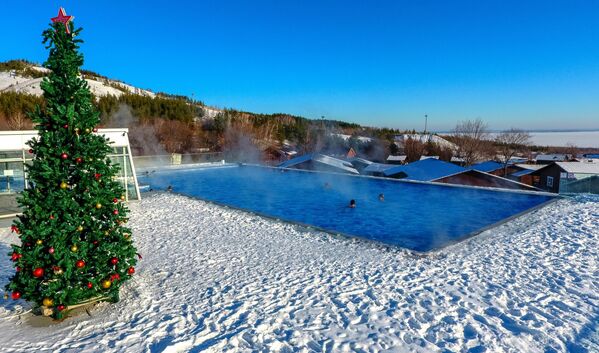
(14, 81)
(11, 81)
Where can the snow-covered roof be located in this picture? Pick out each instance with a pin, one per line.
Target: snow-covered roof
(579, 167)
(428, 157)
(426, 170)
(529, 166)
(358, 160)
(487, 166)
(396, 158)
(556, 157)
(377, 168)
(342, 165)
(457, 159)
(518, 160)
(522, 172)
(347, 137)
(16, 140)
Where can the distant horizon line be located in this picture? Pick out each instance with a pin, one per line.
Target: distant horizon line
(529, 130)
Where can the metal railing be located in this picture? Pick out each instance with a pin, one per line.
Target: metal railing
(579, 183)
(177, 159)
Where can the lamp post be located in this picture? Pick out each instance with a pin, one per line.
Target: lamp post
(425, 122)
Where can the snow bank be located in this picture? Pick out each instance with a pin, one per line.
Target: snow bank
(217, 279)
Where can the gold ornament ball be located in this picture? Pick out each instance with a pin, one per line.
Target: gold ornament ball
(63, 185)
(106, 284)
(87, 131)
(5, 296)
(48, 302)
(74, 248)
(80, 228)
(123, 197)
(106, 233)
(98, 205)
(39, 242)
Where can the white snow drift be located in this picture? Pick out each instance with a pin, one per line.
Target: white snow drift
(216, 279)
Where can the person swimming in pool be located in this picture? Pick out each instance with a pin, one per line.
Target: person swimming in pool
(169, 188)
(352, 203)
(381, 197)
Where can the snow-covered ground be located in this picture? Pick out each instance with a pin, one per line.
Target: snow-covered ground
(215, 279)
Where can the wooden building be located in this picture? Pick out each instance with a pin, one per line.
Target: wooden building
(551, 176)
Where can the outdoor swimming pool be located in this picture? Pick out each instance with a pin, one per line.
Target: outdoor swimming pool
(415, 216)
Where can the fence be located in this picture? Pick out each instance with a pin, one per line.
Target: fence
(576, 183)
(177, 159)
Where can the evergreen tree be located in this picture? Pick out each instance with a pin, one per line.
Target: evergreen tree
(74, 247)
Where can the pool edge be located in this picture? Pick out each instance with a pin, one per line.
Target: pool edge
(337, 234)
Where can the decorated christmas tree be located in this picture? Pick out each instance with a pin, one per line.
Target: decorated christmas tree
(74, 246)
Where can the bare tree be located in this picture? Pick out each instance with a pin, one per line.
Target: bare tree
(18, 121)
(414, 149)
(571, 151)
(471, 138)
(509, 142)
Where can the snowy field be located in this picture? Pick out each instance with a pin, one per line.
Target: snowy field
(565, 138)
(215, 279)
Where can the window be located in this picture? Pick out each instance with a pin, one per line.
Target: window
(550, 181)
(14, 156)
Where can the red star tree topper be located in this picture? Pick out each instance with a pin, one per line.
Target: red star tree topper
(63, 18)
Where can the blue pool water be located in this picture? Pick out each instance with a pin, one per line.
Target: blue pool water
(415, 216)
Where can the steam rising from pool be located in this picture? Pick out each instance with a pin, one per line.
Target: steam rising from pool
(415, 216)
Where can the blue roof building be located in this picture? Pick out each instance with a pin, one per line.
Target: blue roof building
(377, 169)
(317, 161)
(487, 167)
(424, 170)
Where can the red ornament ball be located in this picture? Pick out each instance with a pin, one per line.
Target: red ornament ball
(66, 126)
(38, 272)
(131, 270)
(115, 277)
(114, 261)
(97, 176)
(115, 212)
(30, 150)
(95, 129)
(60, 307)
(16, 295)
(18, 269)
(78, 160)
(14, 256)
(64, 156)
(51, 216)
(80, 263)
(51, 251)
(115, 200)
(89, 285)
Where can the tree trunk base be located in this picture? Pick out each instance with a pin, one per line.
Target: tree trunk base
(47, 311)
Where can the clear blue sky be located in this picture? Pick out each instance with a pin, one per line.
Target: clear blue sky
(527, 64)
